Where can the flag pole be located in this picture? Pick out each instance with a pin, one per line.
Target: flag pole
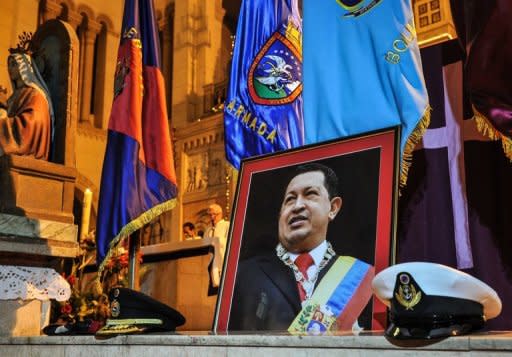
(131, 197)
(133, 261)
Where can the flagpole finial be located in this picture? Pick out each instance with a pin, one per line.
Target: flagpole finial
(293, 34)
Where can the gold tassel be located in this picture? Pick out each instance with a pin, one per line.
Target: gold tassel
(485, 127)
(411, 143)
(128, 229)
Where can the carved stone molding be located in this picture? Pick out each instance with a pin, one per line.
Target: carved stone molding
(204, 175)
(74, 19)
(193, 30)
(87, 130)
(93, 28)
(200, 134)
(195, 175)
(201, 153)
(52, 10)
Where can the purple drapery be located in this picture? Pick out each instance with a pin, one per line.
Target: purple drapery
(428, 211)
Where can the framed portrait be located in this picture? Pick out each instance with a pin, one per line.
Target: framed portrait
(288, 204)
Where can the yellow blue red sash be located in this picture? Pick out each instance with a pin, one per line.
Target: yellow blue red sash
(338, 299)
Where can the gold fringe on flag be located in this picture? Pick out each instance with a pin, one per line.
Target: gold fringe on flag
(411, 143)
(485, 127)
(128, 229)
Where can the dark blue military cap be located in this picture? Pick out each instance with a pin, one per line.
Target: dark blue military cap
(134, 312)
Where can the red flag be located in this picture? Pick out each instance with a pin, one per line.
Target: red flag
(138, 181)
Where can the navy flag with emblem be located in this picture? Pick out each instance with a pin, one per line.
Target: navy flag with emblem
(263, 110)
(362, 71)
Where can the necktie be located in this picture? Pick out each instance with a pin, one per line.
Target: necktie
(303, 262)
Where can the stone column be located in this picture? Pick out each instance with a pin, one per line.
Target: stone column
(51, 10)
(93, 28)
(166, 49)
(104, 104)
(74, 19)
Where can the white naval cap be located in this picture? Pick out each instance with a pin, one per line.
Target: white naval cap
(433, 300)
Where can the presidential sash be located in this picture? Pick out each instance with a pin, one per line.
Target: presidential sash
(338, 300)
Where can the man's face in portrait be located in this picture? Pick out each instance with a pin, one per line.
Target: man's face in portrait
(305, 212)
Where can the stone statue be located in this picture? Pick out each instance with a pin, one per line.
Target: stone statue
(26, 123)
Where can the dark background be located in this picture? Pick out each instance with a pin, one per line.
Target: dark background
(353, 232)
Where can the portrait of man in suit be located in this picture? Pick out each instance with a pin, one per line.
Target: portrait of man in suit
(273, 286)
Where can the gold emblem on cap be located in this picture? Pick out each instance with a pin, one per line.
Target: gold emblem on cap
(407, 295)
(115, 308)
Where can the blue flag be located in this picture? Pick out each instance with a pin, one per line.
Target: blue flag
(138, 180)
(263, 110)
(362, 71)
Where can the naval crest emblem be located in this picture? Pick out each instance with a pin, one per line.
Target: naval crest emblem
(407, 295)
(275, 76)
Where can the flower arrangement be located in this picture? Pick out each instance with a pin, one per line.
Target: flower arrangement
(88, 308)
(86, 302)
(116, 270)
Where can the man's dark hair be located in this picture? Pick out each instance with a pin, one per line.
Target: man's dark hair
(190, 225)
(330, 179)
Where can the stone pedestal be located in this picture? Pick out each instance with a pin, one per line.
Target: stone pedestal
(256, 344)
(36, 188)
(32, 242)
(23, 318)
(35, 242)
